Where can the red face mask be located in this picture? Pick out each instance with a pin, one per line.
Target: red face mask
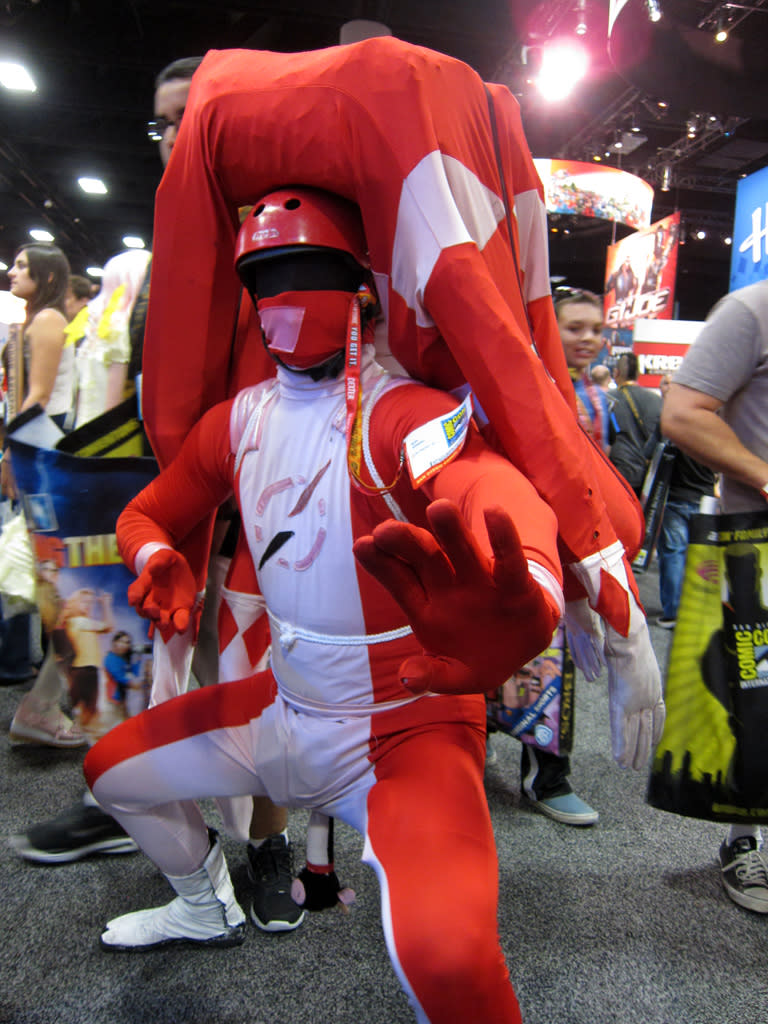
(305, 328)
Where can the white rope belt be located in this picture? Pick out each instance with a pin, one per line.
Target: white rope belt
(288, 634)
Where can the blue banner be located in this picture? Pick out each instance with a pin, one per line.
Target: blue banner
(749, 252)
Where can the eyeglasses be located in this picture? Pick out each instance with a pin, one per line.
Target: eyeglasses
(563, 293)
(156, 129)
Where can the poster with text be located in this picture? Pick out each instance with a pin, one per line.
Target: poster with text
(640, 273)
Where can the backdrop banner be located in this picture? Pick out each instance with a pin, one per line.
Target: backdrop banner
(71, 505)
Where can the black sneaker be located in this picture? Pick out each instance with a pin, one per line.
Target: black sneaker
(78, 832)
(270, 874)
(745, 874)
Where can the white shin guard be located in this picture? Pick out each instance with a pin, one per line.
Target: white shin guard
(205, 911)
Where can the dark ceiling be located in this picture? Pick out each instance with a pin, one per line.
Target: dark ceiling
(95, 63)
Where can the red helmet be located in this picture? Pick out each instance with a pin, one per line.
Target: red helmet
(305, 217)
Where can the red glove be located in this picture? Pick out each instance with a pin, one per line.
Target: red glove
(478, 619)
(165, 592)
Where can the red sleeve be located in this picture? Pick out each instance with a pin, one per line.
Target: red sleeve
(195, 483)
(476, 479)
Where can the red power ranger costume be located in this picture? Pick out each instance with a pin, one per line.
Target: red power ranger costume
(349, 719)
(453, 211)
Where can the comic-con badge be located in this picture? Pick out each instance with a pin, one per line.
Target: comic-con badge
(432, 445)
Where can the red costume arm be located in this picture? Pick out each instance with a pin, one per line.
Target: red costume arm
(476, 479)
(184, 494)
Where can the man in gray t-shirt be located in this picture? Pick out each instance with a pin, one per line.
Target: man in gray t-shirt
(716, 410)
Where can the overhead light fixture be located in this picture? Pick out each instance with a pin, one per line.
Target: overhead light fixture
(93, 186)
(563, 65)
(618, 140)
(728, 240)
(666, 178)
(3, 266)
(133, 242)
(95, 271)
(581, 17)
(629, 141)
(701, 235)
(41, 235)
(654, 10)
(721, 29)
(16, 77)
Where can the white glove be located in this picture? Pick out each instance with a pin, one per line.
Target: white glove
(635, 699)
(584, 631)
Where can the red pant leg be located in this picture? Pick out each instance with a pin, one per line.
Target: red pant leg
(430, 840)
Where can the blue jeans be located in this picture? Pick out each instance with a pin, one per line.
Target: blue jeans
(672, 546)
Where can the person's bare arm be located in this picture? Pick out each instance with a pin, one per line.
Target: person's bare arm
(46, 342)
(689, 419)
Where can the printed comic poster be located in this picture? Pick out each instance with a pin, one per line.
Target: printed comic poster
(102, 646)
(536, 704)
(608, 193)
(710, 762)
(640, 273)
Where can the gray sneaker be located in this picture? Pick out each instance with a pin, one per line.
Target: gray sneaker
(745, 874)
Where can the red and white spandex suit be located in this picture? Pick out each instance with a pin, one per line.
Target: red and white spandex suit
(330, 726)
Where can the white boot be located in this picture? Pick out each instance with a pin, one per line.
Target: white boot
(205, 911)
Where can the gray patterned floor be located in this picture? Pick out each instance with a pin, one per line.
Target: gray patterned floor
(624, 923)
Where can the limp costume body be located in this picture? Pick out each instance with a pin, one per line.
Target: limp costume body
(406, 134)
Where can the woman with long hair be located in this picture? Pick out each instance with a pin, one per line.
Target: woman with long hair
(40, 275)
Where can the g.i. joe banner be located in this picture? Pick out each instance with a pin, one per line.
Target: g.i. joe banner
(536, 704)
(640, 275)
(576, 187)
(710, 762)
(71, 506)
(749, 252)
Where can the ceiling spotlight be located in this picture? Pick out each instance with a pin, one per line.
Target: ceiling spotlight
(133, 242)
(721, 30)
(701, 235)
(41, 235)
(728, 240)
(618, 140)
(666, 178)
(16, 77)
(3, 266)
(95, 271)
(581, 17)
(563, 65)
(93, 186)
(654, 10)
(692, 126)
